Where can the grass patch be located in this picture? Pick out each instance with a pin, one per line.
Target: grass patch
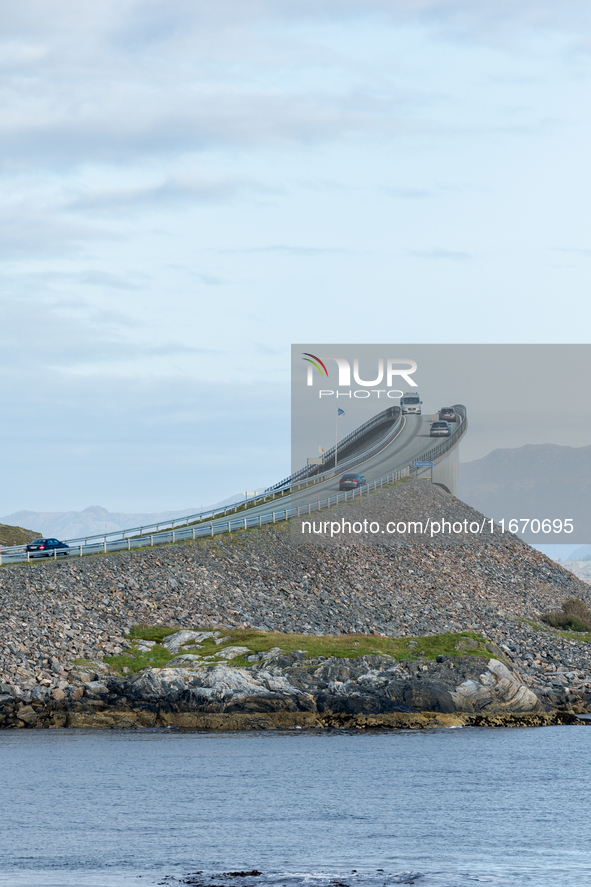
(573, 637)
(574, 615)
(150, 632)
(347, 646)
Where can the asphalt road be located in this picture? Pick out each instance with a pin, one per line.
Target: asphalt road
(408, 445)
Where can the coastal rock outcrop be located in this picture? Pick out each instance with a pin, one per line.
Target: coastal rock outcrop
(316, 693)
(369, 685)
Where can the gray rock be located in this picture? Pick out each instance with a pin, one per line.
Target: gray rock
(95, 688)
(173, 642)
(232, 652)
(498, 688)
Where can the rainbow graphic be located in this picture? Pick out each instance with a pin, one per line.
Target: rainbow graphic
(315, 361)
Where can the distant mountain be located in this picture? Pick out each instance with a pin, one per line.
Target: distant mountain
(96, 520)
(582, 553)
(534, 481)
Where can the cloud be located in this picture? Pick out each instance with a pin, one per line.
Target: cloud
(446, 254)
(578, 251)
(92, 277)
(286, 250)
(173, 190)
(210, 280)
(69, 336)
(141, 444)
(143, 79)
(36, 228)
(408, 193)
(121, 122)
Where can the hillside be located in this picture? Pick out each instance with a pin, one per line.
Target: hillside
(534, 481)
(16, 535)
(271, 579)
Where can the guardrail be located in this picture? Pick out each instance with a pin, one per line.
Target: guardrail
(373, 450)
(199, 532)
(16, 554)
(308, 470)
(449, 442)
(279, 489)
(173, 523)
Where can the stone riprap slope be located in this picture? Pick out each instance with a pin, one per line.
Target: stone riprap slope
(581, 569)
(55, 612)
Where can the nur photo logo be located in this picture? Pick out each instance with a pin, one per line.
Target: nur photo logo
(388, 370)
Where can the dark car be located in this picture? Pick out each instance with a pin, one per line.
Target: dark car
(48, 548)
(351, 481)
(440, 429)
(448, 414)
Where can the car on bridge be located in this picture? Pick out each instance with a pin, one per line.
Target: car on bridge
(351, 481)
(448, 414)
(47, 548)
(440, 429)
(410, 403)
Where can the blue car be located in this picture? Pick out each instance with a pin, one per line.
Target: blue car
(351, 481)
(440, 429)
(48, 548)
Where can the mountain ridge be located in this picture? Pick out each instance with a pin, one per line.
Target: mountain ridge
(535, 481)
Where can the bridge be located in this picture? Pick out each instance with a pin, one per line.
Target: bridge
(384, 449)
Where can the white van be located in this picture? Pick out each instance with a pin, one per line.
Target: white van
(411, 403)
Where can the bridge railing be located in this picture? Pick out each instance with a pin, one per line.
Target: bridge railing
(311, 470)
(130, 539)
(19, 554)
(448, 442)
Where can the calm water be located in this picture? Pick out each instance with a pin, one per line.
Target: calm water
(440, 808)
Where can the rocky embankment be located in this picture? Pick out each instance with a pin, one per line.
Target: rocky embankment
(291, 690)
(56, 613)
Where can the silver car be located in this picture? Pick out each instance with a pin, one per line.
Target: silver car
(440, 429)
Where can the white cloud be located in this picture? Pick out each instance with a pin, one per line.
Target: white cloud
(185, 187)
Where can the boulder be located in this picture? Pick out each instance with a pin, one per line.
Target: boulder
(498, 689)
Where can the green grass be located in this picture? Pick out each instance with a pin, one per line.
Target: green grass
(150, 632)
(578, 637)
(574, 615)
(347, 646)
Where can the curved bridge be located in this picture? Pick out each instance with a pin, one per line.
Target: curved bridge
(383, 449)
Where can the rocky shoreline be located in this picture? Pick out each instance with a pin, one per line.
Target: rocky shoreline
(281, 691)
(57, 614)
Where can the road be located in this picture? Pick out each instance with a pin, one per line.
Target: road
(407, 446)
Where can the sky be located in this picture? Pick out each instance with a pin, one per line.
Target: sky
(515, 395)
(187, 188)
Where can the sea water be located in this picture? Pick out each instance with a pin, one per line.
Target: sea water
(435, 808)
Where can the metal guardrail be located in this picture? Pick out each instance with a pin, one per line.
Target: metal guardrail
(373, 450)
(200, 532)
(308, 471)
(127, 543)
(173, 523)
(449, 442)
(216, 513)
